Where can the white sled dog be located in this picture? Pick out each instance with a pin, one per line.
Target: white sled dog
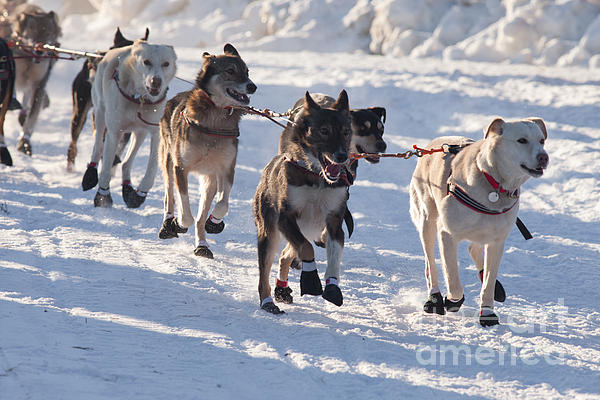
(473, 196)
(128, 95)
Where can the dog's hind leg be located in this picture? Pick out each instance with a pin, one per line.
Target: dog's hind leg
(208, 190)
(268, 243)
(90, 178)
(283, 293)
(152, 166)
(134, 198)
(82, 101)
(214, 223)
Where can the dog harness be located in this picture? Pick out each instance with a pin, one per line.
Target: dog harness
(223, 133)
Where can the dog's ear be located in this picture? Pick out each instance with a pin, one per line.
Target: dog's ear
(146, 34)
(539, 122)
(496, 126)
(380, 111)
(118, 36)
(207, 57)
(230, 50)
(309, 103)
(54, 17)
(342, 103)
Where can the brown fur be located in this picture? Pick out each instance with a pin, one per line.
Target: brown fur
(31, 24)
(198, 136)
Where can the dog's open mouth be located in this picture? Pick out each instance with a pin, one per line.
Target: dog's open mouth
(331, 170)
(153, 91)
(372, 160)
(539, 171)
(237, 96)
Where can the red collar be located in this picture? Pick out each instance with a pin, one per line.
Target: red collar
(497, 186)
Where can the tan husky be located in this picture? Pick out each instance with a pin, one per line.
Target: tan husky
(473, 196)
(198, 134)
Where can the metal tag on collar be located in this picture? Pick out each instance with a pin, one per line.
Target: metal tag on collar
(493, 196)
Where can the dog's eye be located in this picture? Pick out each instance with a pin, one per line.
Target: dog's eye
(230, 71)
(324, 131)
(523, 141)
(542, 142)
(148, 63)
(165, 64)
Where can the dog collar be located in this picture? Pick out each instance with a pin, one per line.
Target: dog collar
(137, 99)
(493, 196)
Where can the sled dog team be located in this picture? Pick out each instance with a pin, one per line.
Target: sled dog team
(469, 191)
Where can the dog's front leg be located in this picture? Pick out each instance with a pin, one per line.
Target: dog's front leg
(103, 197)
(493, 255)
(334, 246)
(185, 218)
(476, 252)
(449, 254)
(208, 189)
(309, 277)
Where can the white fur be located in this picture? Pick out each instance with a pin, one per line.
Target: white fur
(116, 114)
(433, 211)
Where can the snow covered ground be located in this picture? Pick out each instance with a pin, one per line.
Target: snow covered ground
(94, 306)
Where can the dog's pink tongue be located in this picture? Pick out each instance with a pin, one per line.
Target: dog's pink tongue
(333, 170)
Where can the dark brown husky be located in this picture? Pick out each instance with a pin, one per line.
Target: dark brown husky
(302, 192)
(31, 25)
(198, 134)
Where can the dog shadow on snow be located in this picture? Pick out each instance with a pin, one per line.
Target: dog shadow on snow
(176, 311)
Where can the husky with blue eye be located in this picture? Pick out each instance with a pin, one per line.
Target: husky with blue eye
(302, 192)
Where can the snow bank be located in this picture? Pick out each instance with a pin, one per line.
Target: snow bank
(564, 32)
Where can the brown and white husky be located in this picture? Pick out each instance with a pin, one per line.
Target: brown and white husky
(303, 191)
(198, 134)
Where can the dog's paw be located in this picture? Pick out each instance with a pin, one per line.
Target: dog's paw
(499, 293)
(103, 200)
(333, 294)
(296, 263)
(212, 227)
(310, 283)
(453, 306)
(284, 295)
(131, 197)
(487, 317)
(435, 304)
(90, 178)
(270, 307)
(5, 157)
(203, 251)
(24, 146)
(170, 229)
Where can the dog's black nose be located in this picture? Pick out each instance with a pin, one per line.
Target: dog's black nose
(251, 88)
(340, 156)
(542, 159)
(381, 146)
(155, 82)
